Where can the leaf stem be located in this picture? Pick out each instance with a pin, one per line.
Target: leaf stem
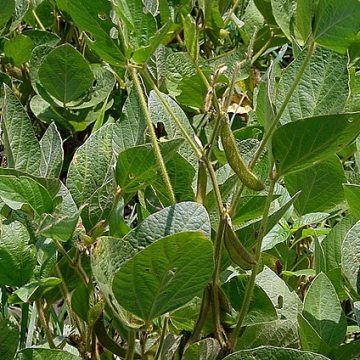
(80, 271)
(164, 174)
(162, 338)
(131, 345)
(251, 283)
(215, 281)
(44, 324)
(187, 136)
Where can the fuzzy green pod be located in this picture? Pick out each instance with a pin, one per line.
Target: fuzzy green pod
(237, 251)
(236, 162)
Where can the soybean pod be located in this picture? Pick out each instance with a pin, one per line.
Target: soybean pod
(236, 162)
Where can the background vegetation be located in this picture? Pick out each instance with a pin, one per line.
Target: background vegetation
(180, 179)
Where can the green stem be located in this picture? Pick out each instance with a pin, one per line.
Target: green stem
(232, 10)
(42, 27)
(215, 185)
(131, 345)
(218, 245)
(24, 324)
(162, 338)
(251, 283)
(66, 295)
(180, 126)
(80, 271)
(204, 310)
(44, 324)
(154, 141)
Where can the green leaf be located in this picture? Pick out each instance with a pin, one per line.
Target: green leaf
(45, 354)
(17, 258)
(25, 193)
(347, 351)
(284, 13)
(320, 262)
(19, 49)
(304, 17)
(90, 169)
(333, 242)
(322, 309)
(140, 24)
(181, 174)
(350, 250)
(274, 353)
(132, 124)
(321, 186)
(104, 81)
(323, 88)
(250, 207)
(247, 232)
(60, 227)
(191, 36)
(65, 74)
(110, 253)
(261, 309)
(52, 153)
(300, 144)
(310, 340)
(165, 275)
(21, 146)
(7, 9)
(95, 18)
(159, 114)
(352, 195)
(9, 339)
(137, 166)
(285, 301)
(39, 37)
(33, 290)
(206, 349)
(337, 23)
(282, 333)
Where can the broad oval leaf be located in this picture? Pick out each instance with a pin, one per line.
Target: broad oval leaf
(321, 186)
(302, 143)
(352, 195)
(90, 172)
(323, 88)
(137, 166)
(350, 256)
(165, 275)
(7, 10)
(45, 354)
(110, 253)
(94, 17)
(17, 258)
(52, 153)
(19, 49)
(282, 333)
(22, 149)
(25, 193)
(274, 353)
(322, 309)
(337, 23)
(65, 74)
(205, 349)
(9, 339)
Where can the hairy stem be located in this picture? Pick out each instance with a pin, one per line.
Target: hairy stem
(44, 323)
(164, 174)
(251, 282)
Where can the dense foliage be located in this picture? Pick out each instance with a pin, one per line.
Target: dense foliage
(180, 179)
